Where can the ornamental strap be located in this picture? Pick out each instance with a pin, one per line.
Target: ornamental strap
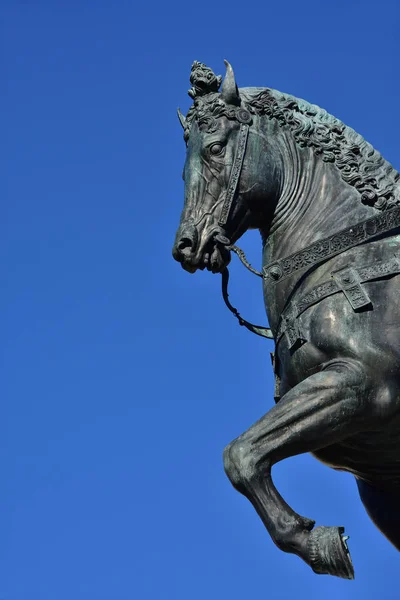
(348, 281)
(235, 173)
(322, 250)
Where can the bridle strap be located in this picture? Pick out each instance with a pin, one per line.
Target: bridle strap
(235, 173)
(226, 209)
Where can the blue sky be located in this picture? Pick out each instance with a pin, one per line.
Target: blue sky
(124, 377)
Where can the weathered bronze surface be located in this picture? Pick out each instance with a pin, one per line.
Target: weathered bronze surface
(328, 208)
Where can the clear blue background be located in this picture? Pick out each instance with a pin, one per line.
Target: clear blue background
(123, 376)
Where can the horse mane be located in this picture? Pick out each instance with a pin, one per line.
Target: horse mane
(360, 165)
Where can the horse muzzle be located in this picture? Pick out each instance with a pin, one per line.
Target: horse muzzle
(194, 253)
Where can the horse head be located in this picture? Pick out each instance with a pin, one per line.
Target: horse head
(225, 183)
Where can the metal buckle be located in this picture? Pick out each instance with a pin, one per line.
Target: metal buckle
(291, 329)
(349, 282)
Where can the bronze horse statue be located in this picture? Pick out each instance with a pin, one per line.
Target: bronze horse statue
(327, 205)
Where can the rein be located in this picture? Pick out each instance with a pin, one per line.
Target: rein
(261, 331)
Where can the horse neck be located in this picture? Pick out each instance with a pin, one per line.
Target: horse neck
(314, 202)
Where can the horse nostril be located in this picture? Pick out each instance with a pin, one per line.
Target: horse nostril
(185, 245)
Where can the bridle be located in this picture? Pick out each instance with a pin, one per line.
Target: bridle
(244, 118)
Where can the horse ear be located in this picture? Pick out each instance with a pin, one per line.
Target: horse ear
(229, 90)
(181, 118)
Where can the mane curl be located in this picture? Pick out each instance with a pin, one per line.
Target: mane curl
(360, 165)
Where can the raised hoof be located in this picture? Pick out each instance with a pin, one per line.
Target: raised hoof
(328, 552)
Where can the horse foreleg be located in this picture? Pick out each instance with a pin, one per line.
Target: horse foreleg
(327, 407)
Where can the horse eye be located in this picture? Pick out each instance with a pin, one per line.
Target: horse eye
(216, 149)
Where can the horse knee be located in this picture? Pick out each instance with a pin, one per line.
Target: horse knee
(239, 463)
